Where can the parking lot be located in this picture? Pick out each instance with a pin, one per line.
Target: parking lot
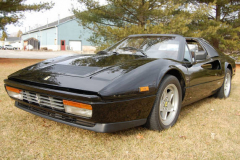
(34, 54)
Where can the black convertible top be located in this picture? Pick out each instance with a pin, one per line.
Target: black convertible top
(147, 35)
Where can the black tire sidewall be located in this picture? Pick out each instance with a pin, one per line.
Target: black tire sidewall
(169, 79)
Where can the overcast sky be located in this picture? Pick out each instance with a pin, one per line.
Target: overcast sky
(61, 7)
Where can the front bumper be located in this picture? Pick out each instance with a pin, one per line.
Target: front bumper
(97, 127)
(108, 116)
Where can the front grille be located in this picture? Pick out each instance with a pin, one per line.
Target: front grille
(55, 115)
(43, 100)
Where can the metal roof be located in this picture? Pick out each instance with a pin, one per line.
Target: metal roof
(13, 39)
(31, 38)
(50, 25)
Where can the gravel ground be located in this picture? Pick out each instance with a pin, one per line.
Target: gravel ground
(33, 54)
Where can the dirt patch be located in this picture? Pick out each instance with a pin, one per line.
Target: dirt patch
(15, 60)
(238, 66)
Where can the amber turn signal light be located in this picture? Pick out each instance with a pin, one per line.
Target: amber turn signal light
(76, 104)
(13, 89)
(14, 93)
(143, 89)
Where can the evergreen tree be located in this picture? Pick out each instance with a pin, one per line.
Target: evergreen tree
(220, 25)
(120, 18)
(218, 21)
(4, 35)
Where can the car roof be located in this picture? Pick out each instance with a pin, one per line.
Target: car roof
(147, 35)
(210, 49)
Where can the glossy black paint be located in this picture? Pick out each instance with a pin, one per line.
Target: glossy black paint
(87, 73)
(110, 83)
(99, 127)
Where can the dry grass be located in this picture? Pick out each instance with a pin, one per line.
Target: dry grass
(208, 129)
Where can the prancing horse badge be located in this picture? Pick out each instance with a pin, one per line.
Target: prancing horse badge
(47, 78)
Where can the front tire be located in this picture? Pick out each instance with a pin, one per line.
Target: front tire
(167, 105)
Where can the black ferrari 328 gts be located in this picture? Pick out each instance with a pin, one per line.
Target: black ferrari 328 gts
(142, 80)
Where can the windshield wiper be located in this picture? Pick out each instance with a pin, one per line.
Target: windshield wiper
(133, 48)
(102, 52)
(106, 52)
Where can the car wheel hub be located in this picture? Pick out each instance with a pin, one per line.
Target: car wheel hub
(169, 104)
(227, 84)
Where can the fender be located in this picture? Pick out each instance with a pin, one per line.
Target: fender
(225, 67)
(170, 68)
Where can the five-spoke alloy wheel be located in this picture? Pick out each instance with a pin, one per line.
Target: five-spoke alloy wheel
(167, 105)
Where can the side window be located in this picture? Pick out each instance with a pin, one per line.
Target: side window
(200, 52)
(194, 46)
(187, 56)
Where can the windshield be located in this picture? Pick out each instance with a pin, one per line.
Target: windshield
(152, 47)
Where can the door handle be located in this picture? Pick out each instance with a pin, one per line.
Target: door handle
(207, 66)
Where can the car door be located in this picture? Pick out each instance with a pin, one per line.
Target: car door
(204, 77)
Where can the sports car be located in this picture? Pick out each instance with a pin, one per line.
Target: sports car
(143, 79)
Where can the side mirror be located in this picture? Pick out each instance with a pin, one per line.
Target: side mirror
(202, 55)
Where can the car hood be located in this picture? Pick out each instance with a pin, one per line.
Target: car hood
(80, 72)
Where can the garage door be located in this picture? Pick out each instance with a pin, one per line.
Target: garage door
(75, 45)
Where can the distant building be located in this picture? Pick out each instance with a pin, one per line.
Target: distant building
(14, 41)
(64, 34)
(10, 40)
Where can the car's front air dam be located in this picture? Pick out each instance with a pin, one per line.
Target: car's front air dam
(98, 127)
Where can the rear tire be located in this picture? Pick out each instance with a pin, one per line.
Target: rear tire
(225, 90)
(167, 105)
